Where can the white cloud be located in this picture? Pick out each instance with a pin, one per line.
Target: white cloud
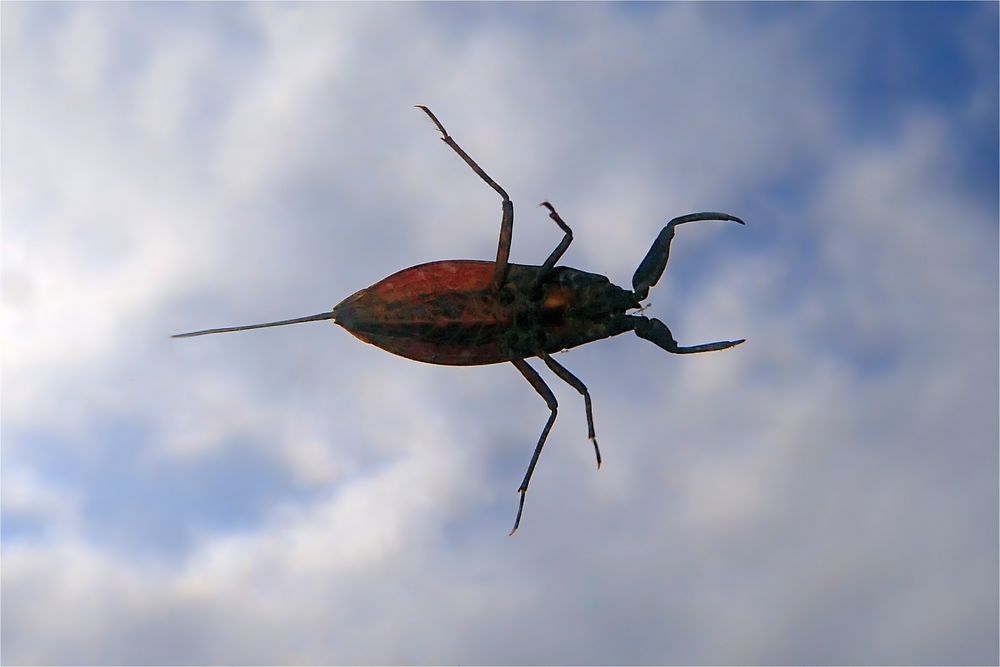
(825, 493)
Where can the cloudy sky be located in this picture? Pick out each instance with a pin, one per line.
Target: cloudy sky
(825, 493)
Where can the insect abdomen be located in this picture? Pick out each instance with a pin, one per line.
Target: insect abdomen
(439, 313)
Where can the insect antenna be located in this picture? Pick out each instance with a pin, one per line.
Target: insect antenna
(297, 320)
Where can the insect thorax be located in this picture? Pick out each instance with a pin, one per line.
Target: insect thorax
(572, 307)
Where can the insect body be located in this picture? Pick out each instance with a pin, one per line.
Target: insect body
(470, 312)
(448, 313)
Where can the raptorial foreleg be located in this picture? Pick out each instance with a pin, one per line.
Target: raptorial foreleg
(657, 332)
(655, 261)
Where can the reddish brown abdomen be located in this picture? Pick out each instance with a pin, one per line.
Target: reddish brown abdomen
(439, 313)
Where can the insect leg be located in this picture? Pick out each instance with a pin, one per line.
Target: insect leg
(532, 376)
(652, 265)
(657, 332)
(559, 250)
(575, 382)
(507, 218)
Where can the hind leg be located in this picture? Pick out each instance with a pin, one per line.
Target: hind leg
(536, 381)
(507, 219)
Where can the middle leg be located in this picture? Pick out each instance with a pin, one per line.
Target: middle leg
(554, 256)
(575, 382)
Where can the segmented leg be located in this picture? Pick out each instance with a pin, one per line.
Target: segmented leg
(532, 376)
(554, 256)
(657, 332)
(575, 382)
(655, 261)
(507, 219)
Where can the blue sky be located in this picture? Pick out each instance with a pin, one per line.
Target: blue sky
(825, 493)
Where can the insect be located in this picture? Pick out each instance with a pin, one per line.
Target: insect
(471, 312)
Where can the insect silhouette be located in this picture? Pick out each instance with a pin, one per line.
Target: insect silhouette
(469, 312)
